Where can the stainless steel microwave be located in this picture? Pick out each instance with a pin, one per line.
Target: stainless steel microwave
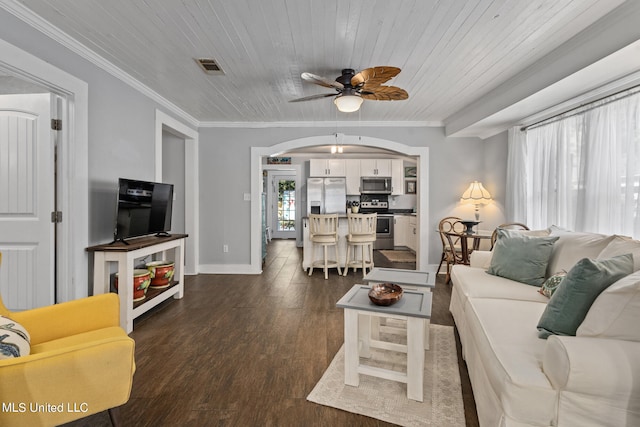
(375, 185)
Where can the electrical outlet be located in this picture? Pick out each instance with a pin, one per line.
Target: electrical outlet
(225, 248)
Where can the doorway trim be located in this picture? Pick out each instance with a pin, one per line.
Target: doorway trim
(422, 203)
(191, 188)
(297, 171)
(73, 155)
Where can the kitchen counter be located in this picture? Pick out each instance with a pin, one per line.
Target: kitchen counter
(402, 211)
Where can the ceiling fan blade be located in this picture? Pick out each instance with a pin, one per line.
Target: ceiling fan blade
(311, 97)
(322, 81)
(374, 76)
(385, 93)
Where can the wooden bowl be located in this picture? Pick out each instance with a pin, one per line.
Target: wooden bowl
(385, 293)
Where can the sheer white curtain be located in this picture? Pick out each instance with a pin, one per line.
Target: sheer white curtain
(580, 171)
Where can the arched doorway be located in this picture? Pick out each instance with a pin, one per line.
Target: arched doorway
(420, 153)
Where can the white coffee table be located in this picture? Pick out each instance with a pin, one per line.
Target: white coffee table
(420, 280)
(414, 308)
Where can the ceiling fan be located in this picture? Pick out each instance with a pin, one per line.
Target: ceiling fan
(354, 88)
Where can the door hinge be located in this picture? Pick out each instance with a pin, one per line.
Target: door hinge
(56, 216)
(56, 124)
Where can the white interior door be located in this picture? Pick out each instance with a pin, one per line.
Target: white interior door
(27, 195)
(283, 204)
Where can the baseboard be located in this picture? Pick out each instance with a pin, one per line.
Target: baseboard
(227, 269)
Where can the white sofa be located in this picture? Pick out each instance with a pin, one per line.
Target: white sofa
(518, 379)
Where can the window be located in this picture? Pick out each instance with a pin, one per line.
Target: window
(580, 170)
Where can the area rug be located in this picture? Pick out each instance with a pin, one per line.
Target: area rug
(399, 256)
(387, 400)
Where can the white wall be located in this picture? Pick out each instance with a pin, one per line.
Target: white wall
(495, 179)
(225, 177)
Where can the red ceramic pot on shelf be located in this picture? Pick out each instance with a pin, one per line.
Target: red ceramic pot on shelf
(141, 282)
(161, 273)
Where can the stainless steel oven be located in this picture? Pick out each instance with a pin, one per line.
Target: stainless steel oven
(379, 203)
(384, 232)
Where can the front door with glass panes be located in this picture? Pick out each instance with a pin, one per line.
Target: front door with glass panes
(283, 205)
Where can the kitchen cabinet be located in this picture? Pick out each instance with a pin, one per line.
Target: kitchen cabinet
(326, 167)
(397, 177)
(375, 167)
(412, 236)
(352, 167)
(400, 230)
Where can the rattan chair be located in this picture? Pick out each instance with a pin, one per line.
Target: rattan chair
(451, 249)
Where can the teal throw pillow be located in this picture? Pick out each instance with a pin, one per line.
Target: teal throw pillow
(571, 302)
(521, 258)
(551, 284)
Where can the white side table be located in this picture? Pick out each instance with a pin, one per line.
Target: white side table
(414, 308)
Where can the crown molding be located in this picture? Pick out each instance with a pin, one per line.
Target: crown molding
(327, 124)
(45, 27)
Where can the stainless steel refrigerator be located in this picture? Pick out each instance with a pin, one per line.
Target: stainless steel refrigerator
(326, 195)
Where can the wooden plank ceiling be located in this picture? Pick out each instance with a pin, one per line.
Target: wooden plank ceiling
(450, 52)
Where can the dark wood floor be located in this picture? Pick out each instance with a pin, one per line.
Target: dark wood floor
(245, 350)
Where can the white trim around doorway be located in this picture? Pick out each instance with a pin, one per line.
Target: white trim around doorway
(422, 205)
(191, 187)
(73, 196)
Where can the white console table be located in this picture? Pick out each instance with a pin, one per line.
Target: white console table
(125, 255)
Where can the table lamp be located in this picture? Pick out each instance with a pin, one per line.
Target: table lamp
(477, 195)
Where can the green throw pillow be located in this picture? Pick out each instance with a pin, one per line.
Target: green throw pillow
(551, 284)
(521, 258)
(571, 302)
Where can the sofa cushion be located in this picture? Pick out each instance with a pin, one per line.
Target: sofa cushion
(621, 245)
(569, 305)
(505, 339)
(14, 339)
(572, 246)
(476, 283)
(616, 312)
(520, 257)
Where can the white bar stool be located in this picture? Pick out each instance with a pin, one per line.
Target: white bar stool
(362, 233)
(323, 230)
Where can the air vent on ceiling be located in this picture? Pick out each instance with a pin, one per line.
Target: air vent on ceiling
(210, 66)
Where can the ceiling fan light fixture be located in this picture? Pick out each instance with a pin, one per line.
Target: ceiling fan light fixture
(348, 103)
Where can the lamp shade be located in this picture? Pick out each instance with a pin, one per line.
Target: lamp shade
(348, 103)
(476, 194)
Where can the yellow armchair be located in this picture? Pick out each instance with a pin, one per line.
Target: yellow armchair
(81, 363)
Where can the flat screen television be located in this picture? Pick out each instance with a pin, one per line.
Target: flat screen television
(143, 208)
